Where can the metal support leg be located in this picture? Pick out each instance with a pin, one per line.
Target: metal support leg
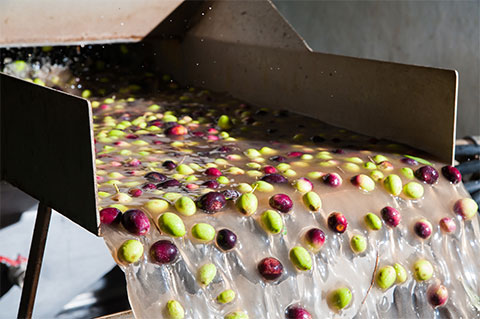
(35, 259)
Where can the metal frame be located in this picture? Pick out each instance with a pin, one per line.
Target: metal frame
(35, 259)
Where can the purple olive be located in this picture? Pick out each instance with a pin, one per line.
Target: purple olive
(226, 239)
(337, 222)
(315, 238)
(448, 225)
(391, 216)
(332, 179)
(297, 312)
(278, 158)
(452, 174)
(169, 165)
(110, 215)
(149, 186)
(163, 252)
(231, 194)
(155, 177)
(269, 169)
(212, 171)
(133, 163)
(155, 123)
(198, 134)
(281, 202)
(136, 222)
(437, 295)
(270, 268)
(135, 192)
(274, 179)
(224, 149)
(212, 202)
(294, 154)
(427, 174)
(211, 184)
(409, 161)
(169, 183)
(423, 228)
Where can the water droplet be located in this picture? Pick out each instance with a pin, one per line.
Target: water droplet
(384, 305)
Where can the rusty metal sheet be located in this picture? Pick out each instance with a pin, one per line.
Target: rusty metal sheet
(404, 103)
(63, 22)
(47, 148)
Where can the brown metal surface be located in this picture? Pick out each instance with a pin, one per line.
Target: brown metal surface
(35, 258)
(50, 22)
(47, 148)
(244, 48)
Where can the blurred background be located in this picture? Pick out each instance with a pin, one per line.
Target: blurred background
(78, 268)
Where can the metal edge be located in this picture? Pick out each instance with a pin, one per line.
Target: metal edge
(274, 7)
(51, 22)
(452, 162)
(92, 146)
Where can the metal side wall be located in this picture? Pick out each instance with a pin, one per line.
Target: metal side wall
(47, 148)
